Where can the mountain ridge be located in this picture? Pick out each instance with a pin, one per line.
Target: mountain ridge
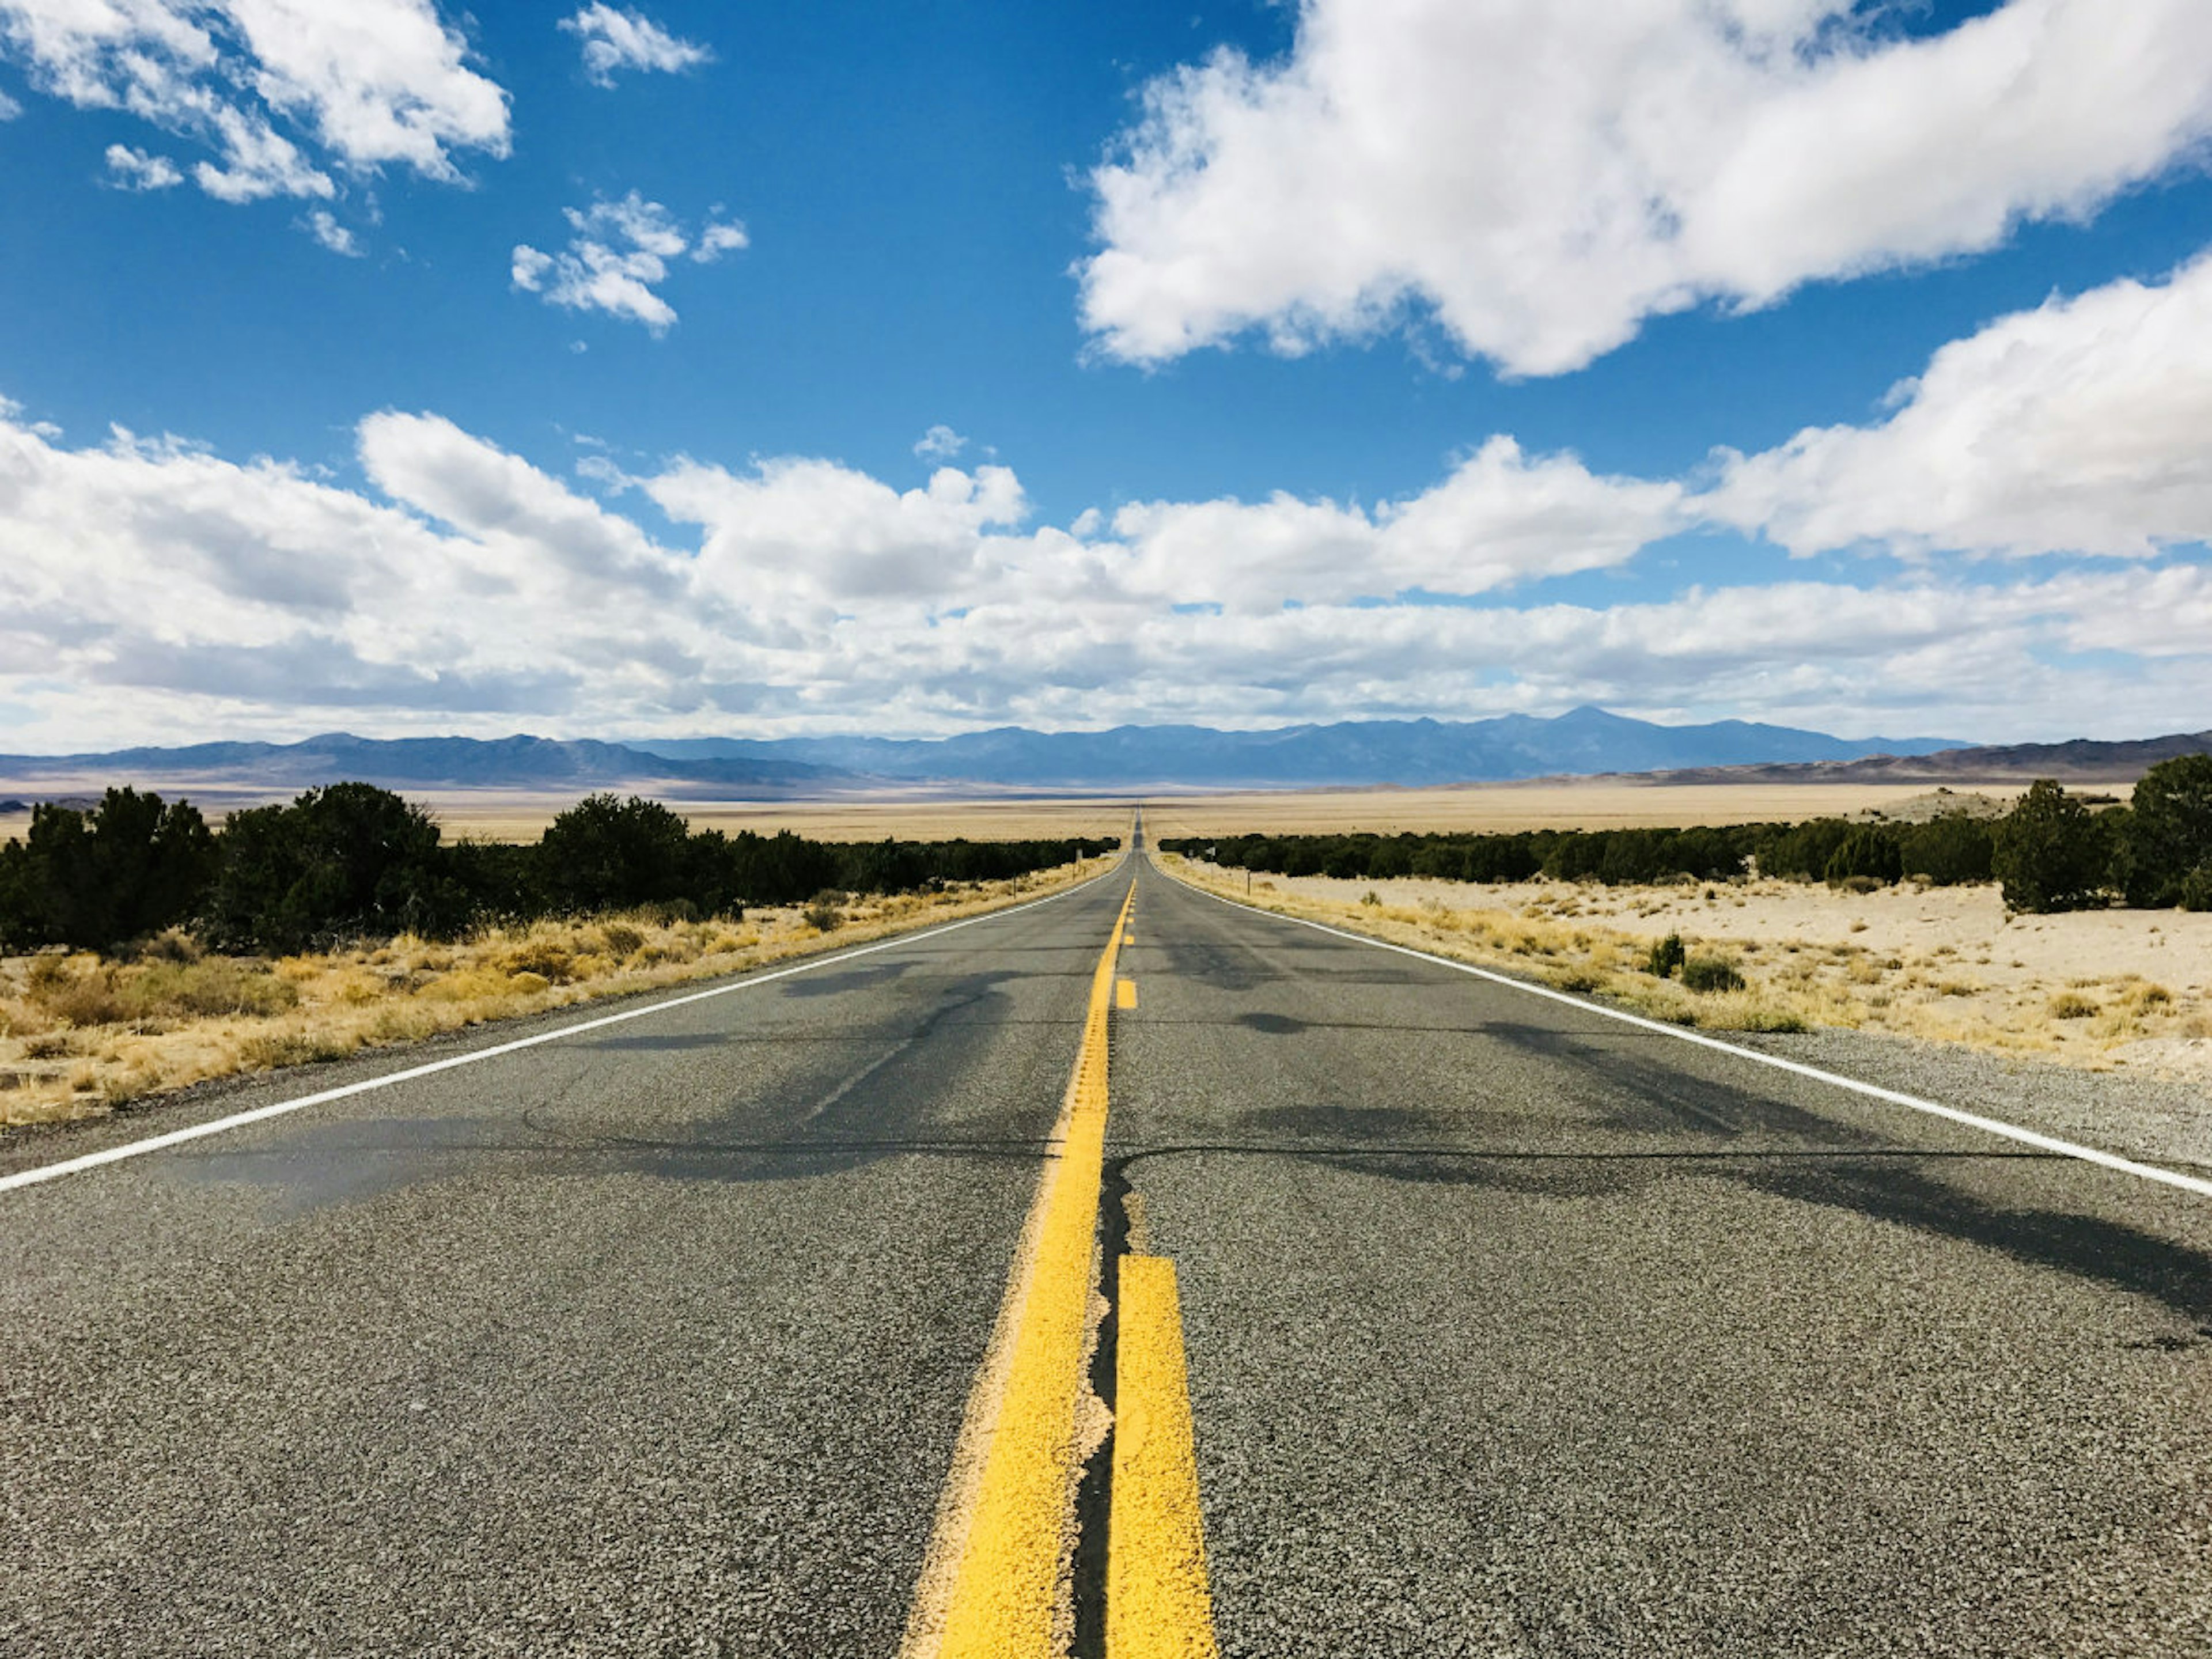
(1409, 753)
(1346, 753)
(2076, 760)
(520, 761)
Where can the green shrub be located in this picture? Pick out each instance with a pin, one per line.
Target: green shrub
(1948, 851)
(1801, 852)
(1390, 858)
(1707, 974)
(2166, 836)
(1666, 957)
(608, 854)
(1347, 862)
(1868, 854)
(346, 861)
(2195, 892)
(353, 861)
(128, 867)
(2050, 854)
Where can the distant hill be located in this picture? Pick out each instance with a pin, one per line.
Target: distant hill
(517, 763)
(1348, 754)
(2082, 760)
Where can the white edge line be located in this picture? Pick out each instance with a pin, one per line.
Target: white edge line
(278, 1109)
(2187, 1183)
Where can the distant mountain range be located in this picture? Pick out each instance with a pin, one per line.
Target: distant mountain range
(2082, 760)
(1351, 754)
(519, 763)
(1129, 759)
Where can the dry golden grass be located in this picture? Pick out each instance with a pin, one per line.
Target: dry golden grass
(80, 1035)
(1934, 970)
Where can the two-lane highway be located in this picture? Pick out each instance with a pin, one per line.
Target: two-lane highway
(1507, 1327)
(653, 1340)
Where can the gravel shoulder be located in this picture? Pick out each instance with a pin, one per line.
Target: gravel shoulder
(2158, 1120)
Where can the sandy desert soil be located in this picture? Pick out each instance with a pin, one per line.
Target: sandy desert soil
(905, 817)
(1497, 807)
(2108, 989)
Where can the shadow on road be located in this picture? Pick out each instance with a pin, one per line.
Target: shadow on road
(2125, 1257)
(1897, 1185)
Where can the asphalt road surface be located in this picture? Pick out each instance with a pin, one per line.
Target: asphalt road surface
(1510, 1329)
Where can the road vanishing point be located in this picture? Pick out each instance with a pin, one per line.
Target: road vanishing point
(1131, 1272)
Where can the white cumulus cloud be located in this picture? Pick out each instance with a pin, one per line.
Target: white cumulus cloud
(259, 162)
(470, 589)
(617, 254)
(134, 169)
(2078, 427)
(717, 237)
(1498, 519)
(939, 443)
(819, 536)
(1546, 175)
(326, 230)
(280, 90)
(629, 40)
(465, 588)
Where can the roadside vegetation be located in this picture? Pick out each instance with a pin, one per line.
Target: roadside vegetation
(2095, 989)
(2035, 934)
(2053, 852)
(141, 949)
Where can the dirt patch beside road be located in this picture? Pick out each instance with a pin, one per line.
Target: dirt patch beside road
(2107, 988)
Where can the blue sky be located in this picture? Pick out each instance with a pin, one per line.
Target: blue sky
(397, 367)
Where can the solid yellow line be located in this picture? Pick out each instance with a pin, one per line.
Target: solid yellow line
(1157, 1602)
(1011, 1597)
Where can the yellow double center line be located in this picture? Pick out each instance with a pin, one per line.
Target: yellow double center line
(998, 1582)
